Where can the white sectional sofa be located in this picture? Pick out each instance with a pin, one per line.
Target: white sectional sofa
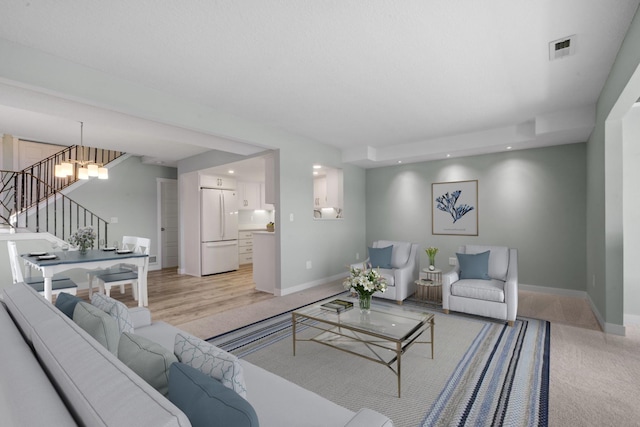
(55, 373)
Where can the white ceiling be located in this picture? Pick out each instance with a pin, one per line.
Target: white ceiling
(383, 80)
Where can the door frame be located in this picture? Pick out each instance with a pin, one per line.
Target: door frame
(160, 250)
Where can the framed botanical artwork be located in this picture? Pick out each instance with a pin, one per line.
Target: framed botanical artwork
(454, 208)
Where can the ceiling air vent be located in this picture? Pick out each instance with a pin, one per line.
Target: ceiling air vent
(562, 48)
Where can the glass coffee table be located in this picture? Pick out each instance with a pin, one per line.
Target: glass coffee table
(383, 335)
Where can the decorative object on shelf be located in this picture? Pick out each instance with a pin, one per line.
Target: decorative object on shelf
(271, 227)
(454, 208)
(83, 238)
(365, 282)
(431, 253)
(86, 168)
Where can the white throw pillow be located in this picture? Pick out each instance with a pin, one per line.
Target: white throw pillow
(211, 360)
(115, 309)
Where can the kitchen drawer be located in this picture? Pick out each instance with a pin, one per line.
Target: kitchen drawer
(245, 249)
(245, 242)
(245, 235)
(245, 258)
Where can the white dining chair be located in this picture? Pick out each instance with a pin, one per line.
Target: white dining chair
(108, 280)
(128, 242)
(59, 283)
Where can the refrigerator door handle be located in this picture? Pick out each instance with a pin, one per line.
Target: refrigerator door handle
(221, 195)
(221, 244)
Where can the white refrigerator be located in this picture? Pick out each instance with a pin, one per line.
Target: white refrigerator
(219, 230)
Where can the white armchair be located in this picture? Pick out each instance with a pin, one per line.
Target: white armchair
(495, 297)
(403, 273)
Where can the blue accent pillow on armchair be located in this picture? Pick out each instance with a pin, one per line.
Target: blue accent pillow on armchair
(474, 266)
(380, 257)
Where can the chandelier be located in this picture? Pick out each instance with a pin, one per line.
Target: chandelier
(86, 168)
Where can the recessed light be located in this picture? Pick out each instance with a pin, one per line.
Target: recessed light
(399, 161)
(448, 155)
(315, 172)
(509, 148)
(231, 171)
(317, 166)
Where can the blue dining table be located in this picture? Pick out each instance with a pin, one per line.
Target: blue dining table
(92, 259)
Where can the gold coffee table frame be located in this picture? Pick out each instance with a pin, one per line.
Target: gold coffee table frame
(381, 336)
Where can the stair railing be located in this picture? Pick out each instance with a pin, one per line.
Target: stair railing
(44, 169)
(27, 202)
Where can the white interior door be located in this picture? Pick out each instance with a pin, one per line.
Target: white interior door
(169, 222)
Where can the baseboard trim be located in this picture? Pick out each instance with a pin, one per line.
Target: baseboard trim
(309, 285)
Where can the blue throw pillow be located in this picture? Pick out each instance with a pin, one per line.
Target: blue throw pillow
(207, 402)
(380, 257)
(474, 266)
(66, 303)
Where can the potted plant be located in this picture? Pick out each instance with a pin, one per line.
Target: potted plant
(365, 282)
(271, 226)
(83, 238)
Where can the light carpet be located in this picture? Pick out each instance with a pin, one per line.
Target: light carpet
(483, 372)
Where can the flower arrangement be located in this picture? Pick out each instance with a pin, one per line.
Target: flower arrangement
(83, 238)
(431, 253)
(365, 281)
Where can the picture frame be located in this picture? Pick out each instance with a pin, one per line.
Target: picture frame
(454, 208)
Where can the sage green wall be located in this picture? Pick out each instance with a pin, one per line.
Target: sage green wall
(130, 194)
(605, 269)
(533, 200)
(329, 244)
(631, 207)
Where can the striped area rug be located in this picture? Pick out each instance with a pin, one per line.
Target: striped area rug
(502, 380)
(484, 373)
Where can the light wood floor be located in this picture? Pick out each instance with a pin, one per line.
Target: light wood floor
(179, 298)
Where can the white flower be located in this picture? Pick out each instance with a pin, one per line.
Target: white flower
(83, 237)
(365, 281)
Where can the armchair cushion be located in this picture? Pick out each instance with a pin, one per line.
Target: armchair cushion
(488, 290)
(380, 257)
(474, 266)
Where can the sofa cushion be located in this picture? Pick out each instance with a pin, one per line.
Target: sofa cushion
(380, 257)
(24, 382)
(211, 360)
(474, 266)
(102, 327)
(400, 253)
(149, 360)
(487, 290)
(99, 389)
(207, 402)
(498, 259)
(66, 303)
(115, 309)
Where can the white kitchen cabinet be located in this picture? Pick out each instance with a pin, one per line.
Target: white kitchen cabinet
(245, 247)
(327, 190)
(249, 195)
(320, 192)
(263, 200)
(211, 181)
